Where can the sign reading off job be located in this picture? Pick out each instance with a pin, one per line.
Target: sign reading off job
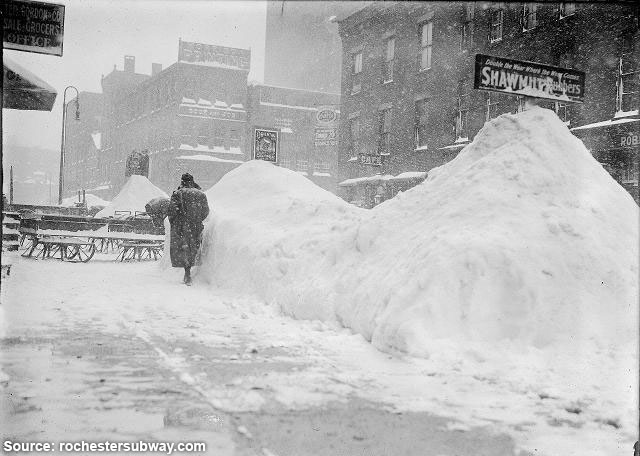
(265, 145)
(517, 77)
(33, 26)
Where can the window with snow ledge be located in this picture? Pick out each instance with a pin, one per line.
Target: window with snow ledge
(495, 25)
(421, 113)
(627, 82)
(529, 16)
(356, 73)
(566, 9)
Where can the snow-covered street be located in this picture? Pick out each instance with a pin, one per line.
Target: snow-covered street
(90, 354)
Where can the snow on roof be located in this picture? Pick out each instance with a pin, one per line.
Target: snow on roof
(203, 102)
(90, 198)
(237, 106)
(214, 65)
(220, 104)
(188, 100)
(137, 192)
(206, 158)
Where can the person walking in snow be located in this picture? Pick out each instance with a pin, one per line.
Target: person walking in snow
(187, 210)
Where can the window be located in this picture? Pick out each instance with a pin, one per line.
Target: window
(567, 9)
(627, 84)
(302, 164)
(421, 124)
(426, 45)
(356, 77)
(520, 104)
(186, 131)
(462, 117)
(492, 107)
(465, 36)
(218, 137)
(562, 110)
(529, 16)
(321, 166)
(354, 135)
(285, 163)
(390, 47)
(234, 139)
(470, 10)
(495, 27)
(384, 145)
(203, 132)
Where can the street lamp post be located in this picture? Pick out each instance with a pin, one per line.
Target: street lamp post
(64, 117)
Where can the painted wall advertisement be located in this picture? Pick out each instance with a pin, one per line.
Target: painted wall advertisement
(33, 26)
(217, 55)
(517, 77)
(326, 127)
(265, 145)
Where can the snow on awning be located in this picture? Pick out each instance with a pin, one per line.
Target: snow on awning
(23, 90)
(377, 178)
(606, 123)
(208, 158)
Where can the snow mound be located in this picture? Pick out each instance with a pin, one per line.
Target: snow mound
(137, 192)
(523, 237)
(273, 232)
(90, 198)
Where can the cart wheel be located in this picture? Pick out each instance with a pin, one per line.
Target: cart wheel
(85, 252)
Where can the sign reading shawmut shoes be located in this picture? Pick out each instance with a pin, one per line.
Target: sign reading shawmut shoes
(517, 77)
(265, 145)
(222, 56)
(33, 26)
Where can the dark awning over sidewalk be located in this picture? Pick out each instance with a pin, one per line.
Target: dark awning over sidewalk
(24, 90)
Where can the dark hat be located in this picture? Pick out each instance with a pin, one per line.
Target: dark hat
(186, 177)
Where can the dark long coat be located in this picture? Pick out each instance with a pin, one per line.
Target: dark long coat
(187, 209)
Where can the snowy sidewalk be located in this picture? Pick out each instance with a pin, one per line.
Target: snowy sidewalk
(124, 352)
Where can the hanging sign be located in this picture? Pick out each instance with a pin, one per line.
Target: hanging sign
(373, 160)
(517, 77)
(265, 145)
(32, 26)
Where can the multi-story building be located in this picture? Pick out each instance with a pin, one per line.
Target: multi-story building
(196, 116)
(408, 102)
(302, 45)
(188, 117)
(307, 123)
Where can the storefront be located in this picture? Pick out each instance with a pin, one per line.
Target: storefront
(370, 191)
(615, 143)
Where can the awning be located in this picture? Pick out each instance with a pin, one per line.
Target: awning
(24, 90)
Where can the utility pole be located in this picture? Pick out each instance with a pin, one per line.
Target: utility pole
(64, 117)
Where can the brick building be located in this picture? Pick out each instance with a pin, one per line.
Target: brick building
(408, 102)
(308, 144)
(195, 116)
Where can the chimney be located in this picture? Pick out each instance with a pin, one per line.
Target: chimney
(129, 64)
(156, 68)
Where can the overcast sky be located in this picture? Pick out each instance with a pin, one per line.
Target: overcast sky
(99, 33)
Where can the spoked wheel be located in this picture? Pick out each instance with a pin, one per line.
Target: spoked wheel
(28, 245)
(81, 252)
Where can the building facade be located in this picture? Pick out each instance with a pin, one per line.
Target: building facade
(307, 123)
(408, 102)
(197, 116)
(302, 45)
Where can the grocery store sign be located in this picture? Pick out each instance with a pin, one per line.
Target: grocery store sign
(265, 145)
(536, 80)
(33, 26)
(220, 56)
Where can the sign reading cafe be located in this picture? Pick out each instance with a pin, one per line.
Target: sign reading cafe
(517, 77)
(32, 26)
(265, 145)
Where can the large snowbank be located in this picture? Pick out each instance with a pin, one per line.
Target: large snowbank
(137, 192)
(524, 237)
(517, 260)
